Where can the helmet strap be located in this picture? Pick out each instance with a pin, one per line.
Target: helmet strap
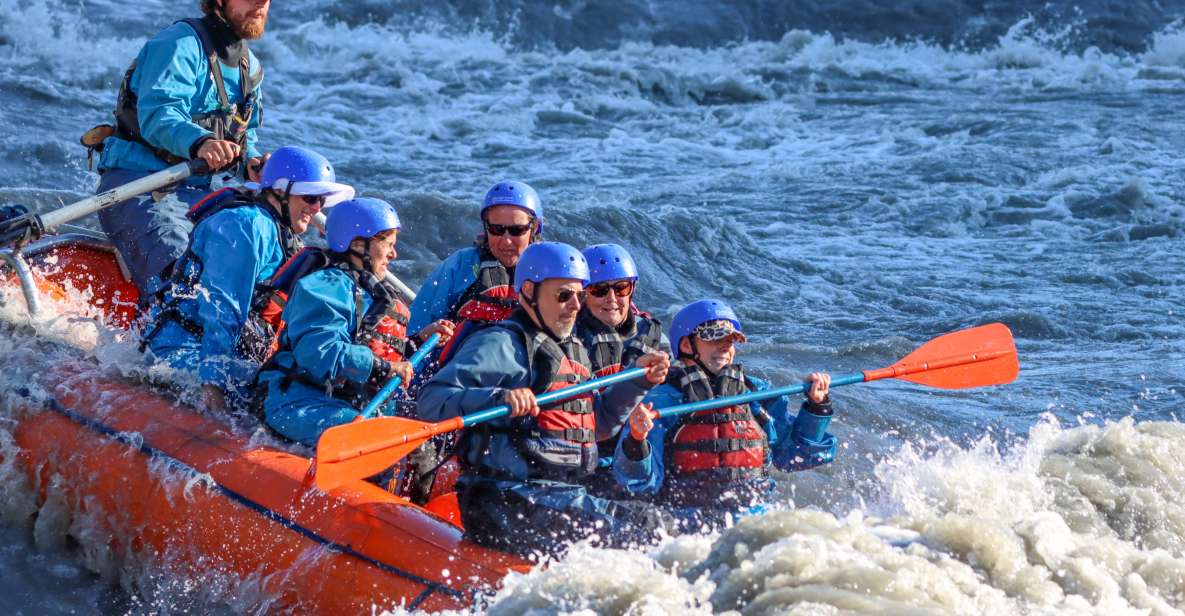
(534, 306)
(696, 357)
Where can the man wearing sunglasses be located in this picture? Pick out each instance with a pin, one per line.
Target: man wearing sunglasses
(522, 485)
(473, 285)
(204, 315)
(707, 465)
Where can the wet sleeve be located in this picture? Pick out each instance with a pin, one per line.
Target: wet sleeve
(800, 441)
(320, 315)
(233, 250)
(168, 73)
(488, 363)
(441, 289)
(645, 476)
(614, 405)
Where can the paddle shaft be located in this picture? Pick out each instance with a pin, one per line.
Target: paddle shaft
(428, 430)
(894, 371)
(90, 205)
(409, 296)
(416, 359)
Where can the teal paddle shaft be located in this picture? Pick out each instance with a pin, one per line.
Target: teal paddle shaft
(753, 396)
(555, 396)
(416, 359)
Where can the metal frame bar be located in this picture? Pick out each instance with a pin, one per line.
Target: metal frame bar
(15, 258)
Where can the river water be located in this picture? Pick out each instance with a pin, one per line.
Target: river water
(854, 177)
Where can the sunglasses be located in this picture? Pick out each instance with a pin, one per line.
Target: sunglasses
(621, 288)
(563, 296)
(312, 199)
(515, 230)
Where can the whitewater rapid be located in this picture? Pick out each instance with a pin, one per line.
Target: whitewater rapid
(852, 190)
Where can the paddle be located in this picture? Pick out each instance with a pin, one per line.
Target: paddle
(32, 226)
(409, 296)
(943, 362)
(363, 448)
(416, 359)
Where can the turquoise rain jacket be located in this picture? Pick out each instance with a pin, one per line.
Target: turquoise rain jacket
(172, 84)
(443, 287)
(321, 320)
(232, 251)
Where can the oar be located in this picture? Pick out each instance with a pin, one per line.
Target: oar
(416, 359)
(363, 448)
(33, 226)
(976, 357)
(409, 296)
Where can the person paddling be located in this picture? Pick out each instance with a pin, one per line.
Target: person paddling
(521, 484)
(709, 464)
(206, 315)
(345, 330)
(474, 285)
(614, 331)
(192, 92)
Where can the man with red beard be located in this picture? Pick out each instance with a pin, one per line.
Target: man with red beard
(192, 92)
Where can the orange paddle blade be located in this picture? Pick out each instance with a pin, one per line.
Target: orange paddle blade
(976, 357)
(364, 448)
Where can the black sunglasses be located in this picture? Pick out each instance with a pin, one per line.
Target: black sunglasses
(621, 288)
(312, 199)
(564, 295)
(515, 230)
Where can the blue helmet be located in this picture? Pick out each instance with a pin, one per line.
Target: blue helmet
(544, 260)
(300, 171)
(609, 262)
(517, 194)
(697, 313)
(362, 217)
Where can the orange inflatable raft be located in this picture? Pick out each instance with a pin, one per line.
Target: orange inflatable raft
(178, 488)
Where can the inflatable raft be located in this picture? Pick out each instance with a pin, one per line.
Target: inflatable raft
(184, 491)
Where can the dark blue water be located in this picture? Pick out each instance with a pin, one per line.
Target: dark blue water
(854, 177)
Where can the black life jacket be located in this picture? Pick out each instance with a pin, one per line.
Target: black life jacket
(489, 299)
(382, 328)
(610, 349)
(553, 366)
(257, 339)
(713, 448)
(227, 123)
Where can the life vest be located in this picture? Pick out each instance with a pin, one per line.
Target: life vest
(610, 349)
(720, 445)
(258, 337)
(229, 122)
(489, 299)
(382, 328)
(553, 366)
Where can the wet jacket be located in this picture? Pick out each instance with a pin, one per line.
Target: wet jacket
(172, 84)
(230, 254)
(795, 442)
(443, 288)
(322, 317)
(489, 362)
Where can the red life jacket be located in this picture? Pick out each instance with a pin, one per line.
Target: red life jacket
(553, 366)
(726, 443)
(610, 349)
(489, 299)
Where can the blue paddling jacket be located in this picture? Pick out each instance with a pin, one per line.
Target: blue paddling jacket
(443, 288)
(558, 445)
(170, 101)
(788, 442)
(204, 310)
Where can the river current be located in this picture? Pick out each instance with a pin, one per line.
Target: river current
(855, 178)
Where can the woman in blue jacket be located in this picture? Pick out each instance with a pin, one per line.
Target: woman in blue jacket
(346, 330)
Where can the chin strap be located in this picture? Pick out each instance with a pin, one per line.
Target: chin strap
(534, 306)
(695, 357)
(364, 255)
(283, 197)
